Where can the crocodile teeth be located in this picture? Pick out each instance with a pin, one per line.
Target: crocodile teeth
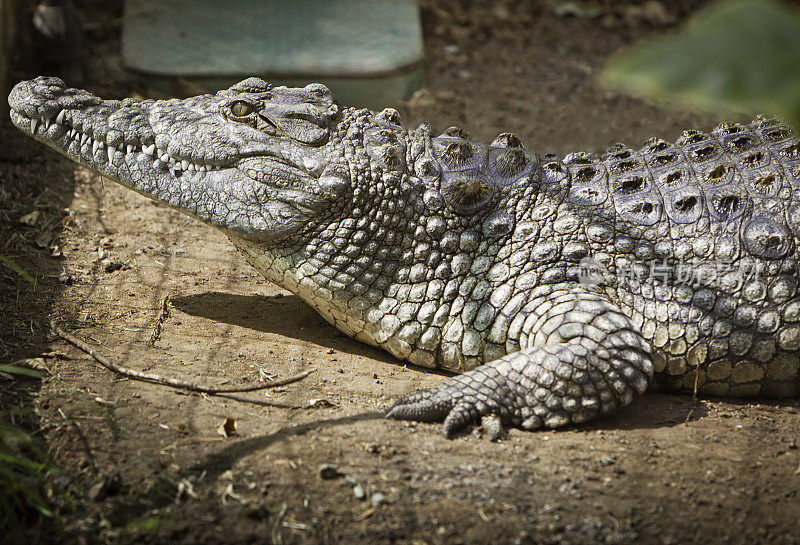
(80, 138)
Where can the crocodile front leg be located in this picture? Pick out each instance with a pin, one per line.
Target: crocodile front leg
(580, 357)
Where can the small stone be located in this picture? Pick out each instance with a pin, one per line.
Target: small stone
(111, 266)
(451, 49)
(358, 492)
(608, 460)
(377, 499)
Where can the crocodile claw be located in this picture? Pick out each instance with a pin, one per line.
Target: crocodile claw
(458, 401)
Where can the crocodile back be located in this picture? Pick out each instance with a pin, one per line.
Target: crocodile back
(695, 240)
(703, 252)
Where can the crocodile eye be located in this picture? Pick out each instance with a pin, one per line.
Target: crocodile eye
(240, 108)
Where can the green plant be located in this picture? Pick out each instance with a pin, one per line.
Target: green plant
(740, 55)
(11, 264)
(32, 487)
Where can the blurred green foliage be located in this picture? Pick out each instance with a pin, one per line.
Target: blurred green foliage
(739, 55)
(32, 487)
(11, 264)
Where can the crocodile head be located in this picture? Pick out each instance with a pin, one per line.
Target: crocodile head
(255, 161)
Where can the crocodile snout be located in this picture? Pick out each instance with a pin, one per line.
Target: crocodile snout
(46, 97)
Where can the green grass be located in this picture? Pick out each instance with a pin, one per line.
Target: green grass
(15, 370)
(736, 55)
(11, 264)
(31, 485)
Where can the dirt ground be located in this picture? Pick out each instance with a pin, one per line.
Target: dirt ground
(148, 462)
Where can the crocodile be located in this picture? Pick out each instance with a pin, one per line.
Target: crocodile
(553, 289)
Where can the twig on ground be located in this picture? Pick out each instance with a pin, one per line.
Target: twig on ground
(172, 382)
(162, 317)
(277, 538)
(694, 395)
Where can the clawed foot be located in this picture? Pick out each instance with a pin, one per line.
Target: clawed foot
(596, 361)
(458, 401)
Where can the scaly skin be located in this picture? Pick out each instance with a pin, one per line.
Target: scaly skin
(557, 289)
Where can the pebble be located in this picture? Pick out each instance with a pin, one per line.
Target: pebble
(377, 499)
(608, 460)
(358, 492)
(451, 49)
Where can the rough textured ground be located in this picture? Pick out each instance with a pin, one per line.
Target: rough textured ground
(151, 464)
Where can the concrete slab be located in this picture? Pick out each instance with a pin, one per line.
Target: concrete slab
(368, 51)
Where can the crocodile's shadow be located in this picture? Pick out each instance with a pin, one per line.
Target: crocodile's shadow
(285, 315)
(290, 316)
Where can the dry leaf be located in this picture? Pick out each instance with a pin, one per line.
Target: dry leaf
(37, 364)
(320, 403)
(30, 219)
(364, 515)
(227, 428)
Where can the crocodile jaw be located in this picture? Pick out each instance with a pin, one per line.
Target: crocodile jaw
(184, 154)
